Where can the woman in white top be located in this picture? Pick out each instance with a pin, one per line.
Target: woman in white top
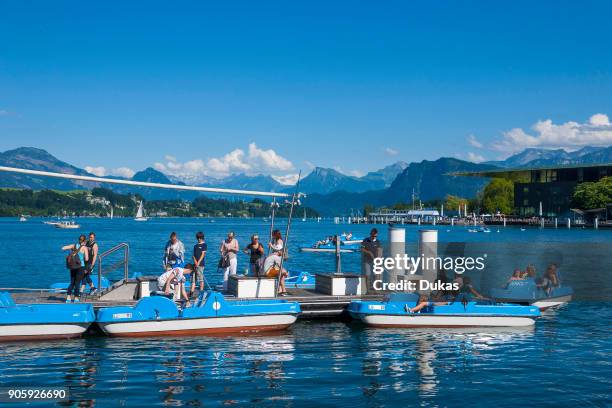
(229, 249)
(273, 261)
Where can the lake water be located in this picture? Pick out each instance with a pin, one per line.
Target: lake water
(564, 360)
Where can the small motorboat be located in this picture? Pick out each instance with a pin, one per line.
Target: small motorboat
(349, 239)
(211, 314)
(329, 248)
(300, 280)
(479, 229)
(42, 321)
(22, 218)
(394, 311)
(67, 225)
(526, 292)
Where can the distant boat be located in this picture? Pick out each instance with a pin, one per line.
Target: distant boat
(67, 225)
(23, 219)
(140, 214)
(111, 213)
(304, 218)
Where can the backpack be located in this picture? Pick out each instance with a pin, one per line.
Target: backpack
(73, 260)
(224, 262)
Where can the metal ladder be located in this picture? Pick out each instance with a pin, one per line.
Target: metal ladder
(103, 268)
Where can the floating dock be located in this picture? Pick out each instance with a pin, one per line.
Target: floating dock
(314, 305)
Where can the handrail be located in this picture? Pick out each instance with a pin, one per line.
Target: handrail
(126, 257)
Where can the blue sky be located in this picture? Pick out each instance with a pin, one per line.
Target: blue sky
(351, 85)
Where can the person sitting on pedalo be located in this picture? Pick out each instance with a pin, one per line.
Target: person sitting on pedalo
(424, 302)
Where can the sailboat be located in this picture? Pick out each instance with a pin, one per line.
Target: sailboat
(140, 214)
(304, 218)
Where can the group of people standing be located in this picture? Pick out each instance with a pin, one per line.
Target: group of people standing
(81, 261)
(260, 264)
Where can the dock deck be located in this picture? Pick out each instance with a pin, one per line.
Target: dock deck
(313, 304)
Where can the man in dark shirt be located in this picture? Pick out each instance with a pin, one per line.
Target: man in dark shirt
(199, 256)
(256, 252)
(370, 246)
(370, 249)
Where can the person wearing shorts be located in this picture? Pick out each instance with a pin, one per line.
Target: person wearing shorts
(199, 258)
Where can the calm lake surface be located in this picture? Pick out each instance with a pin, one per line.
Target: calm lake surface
(564, 360)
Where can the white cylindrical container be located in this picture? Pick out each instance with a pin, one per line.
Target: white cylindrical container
(397, 247)
(428, 250)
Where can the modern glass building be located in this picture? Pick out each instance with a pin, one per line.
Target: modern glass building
(552, 187)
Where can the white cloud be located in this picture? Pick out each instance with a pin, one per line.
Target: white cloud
(569, 135)
(96, 171)
(287, 180)
(252, 161)
(309, 164)
(233, 161)
(102, 171)
(390, 151)
(474, 142)
(599, 119)
(124, 172)
(4, 112)
(356, 173)
(269, 159)
(476, 158)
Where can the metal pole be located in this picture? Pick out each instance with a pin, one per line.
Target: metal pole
(295, 195)
(99, 273)
(338, 257)
(272, 223)
(126, 257)
(142, 183)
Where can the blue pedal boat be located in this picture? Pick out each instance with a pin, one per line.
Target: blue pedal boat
(526, 292)
(394, 311)
(211, 314)
(42, 321)
(300, 280)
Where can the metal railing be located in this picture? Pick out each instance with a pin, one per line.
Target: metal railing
(114, 266)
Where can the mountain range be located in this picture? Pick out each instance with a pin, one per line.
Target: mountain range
(532, 157)
(329, 191)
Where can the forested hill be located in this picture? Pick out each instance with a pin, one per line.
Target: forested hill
(97, 202)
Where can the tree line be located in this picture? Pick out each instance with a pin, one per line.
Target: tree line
(98, 202)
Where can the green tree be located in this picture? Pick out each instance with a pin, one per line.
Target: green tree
(498, 195)
(368, 209)
(452, 203)
(593, 195)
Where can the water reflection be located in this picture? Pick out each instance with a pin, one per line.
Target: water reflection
(327, 363)
(414, 358)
